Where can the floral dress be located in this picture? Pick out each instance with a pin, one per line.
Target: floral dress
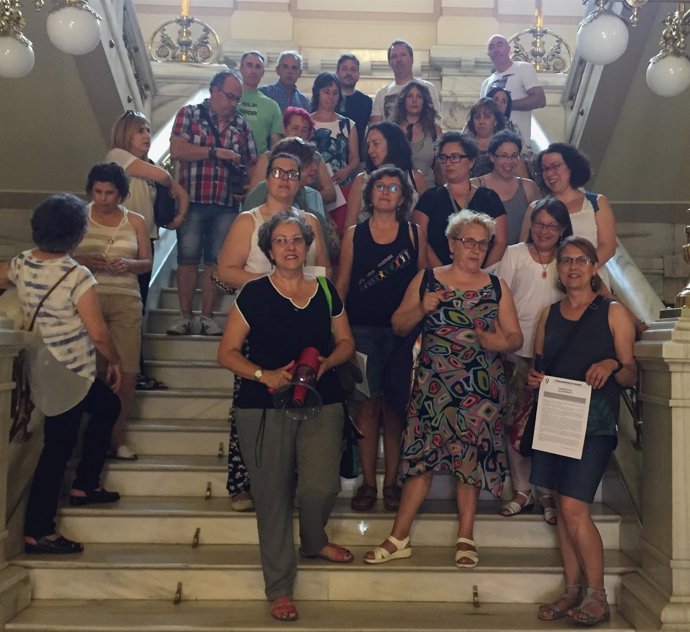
(455, 416)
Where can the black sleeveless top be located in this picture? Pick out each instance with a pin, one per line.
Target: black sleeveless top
(380, 275)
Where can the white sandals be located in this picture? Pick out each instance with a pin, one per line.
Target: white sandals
(513, 507)
(471, 556)
(381, 555)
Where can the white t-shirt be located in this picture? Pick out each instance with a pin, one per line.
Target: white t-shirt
(531, 291)
(517, 80)
(386, 98)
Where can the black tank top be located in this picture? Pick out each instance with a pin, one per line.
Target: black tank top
(380, 275)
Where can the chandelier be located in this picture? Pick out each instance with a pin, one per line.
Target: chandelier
(72, 25)
(204, 48)
(546, 51)
(602, 38)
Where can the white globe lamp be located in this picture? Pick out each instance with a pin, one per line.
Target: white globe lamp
(602, 39)
(74, 30)
(16, 57)
(668, 74)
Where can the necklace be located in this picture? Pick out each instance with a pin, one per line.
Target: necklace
(544, 266)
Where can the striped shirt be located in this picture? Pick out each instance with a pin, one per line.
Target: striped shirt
(113, 242)
(58, 321)
(210, 181)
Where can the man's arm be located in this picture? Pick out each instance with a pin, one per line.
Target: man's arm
(534, 100)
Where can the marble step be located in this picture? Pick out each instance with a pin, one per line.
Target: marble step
(160, 319)
(168, 300)
(180, 348)
(174, 520)
(189, 404)
(167, 475)
(315, 616)
(210, 572)
(196, 374)
(178, 436)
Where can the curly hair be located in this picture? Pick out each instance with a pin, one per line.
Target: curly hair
(265, 238)
(59, 223)
(468, 144)
(504, 136)
(404, 210)
(485, 104)
(428, 115)
(109, 172)
(398, 152)
(575, 160)
(465, 217)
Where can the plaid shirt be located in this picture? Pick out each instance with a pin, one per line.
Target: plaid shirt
(279, 93)
(210, 181)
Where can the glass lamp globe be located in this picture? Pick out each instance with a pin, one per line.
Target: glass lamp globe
(602, 40)
(668, 76)
(73, 30)
(16, 58)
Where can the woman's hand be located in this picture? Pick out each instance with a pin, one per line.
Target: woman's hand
(534, 378)
(95, 263)
(275, 378)
(600, 372)
(178, 220)
(431, 301)
(326, 364)
(494, 338)
(340, 175)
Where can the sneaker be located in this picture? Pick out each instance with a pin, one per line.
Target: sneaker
(182, 327)
(209, 327)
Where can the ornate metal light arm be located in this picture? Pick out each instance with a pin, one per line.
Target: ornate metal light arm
(556, 58)
(205, 49)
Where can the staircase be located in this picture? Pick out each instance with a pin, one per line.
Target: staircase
(172, 555)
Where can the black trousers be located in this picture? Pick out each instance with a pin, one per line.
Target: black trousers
(60, 437)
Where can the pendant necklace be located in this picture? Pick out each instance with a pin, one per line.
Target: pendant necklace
(543, 265)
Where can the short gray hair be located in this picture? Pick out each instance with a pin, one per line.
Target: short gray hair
(465, 217)
(292, 53)
(284, 217)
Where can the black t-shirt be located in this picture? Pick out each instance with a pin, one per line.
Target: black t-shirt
(279, 331)
(380, 275)
(358, 108)
(437, 205)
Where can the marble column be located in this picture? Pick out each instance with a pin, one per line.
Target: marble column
(658, 596)
(15, 589)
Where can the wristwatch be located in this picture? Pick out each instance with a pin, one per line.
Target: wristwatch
(211, 153)
(619, 367)
(258, 374)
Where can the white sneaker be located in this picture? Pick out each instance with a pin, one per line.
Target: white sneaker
(209, 327)
(182, 327)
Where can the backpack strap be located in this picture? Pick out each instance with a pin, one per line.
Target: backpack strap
(593, 200)
(327, 291)
(496, 283)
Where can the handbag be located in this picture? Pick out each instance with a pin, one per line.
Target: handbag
(164, 206)
(401, 367)
(527, 437)
(21, 403)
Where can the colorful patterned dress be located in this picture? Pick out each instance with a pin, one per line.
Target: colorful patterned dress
(455, 415)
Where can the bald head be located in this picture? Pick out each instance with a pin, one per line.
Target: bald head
(498, 50)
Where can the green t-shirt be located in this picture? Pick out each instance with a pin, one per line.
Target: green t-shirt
(263, 115)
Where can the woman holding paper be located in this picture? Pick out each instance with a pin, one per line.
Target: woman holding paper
(599, 352)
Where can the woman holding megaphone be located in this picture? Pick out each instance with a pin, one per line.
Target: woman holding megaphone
(281, 315)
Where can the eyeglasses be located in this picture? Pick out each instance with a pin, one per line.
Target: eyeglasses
(507, 156)
(574, 261)
(454, 158)
(471, 244)
(547, 228)
(229, 96)
(382, 188)
(553, 167)
(279, 173)
(282, 241)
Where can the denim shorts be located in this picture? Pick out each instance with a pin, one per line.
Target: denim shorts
(377, 344)
(203, 233)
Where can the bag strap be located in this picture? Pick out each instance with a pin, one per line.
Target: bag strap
(207, 117)
(43, 300)
(593, 200)
(327, 291)
(496, 284)
(572, 334)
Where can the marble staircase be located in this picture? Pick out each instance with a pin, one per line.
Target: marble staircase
(172, 555)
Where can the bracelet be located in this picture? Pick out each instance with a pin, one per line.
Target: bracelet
(618, 368)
